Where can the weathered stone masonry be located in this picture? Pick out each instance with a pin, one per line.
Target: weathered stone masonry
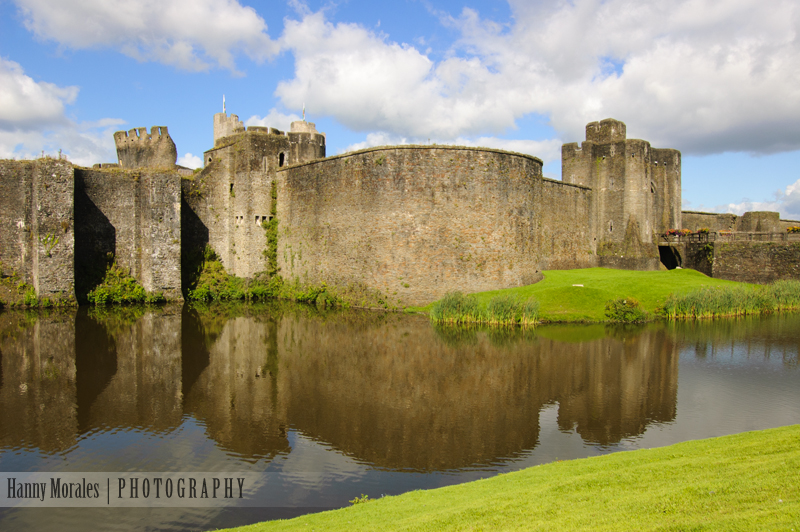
(751, 248)
(36, 224)
(637, 192)
(412, 221)
(407, 222)
(62, 225)
(134, 218)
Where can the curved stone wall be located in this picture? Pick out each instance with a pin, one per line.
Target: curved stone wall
(412, 222)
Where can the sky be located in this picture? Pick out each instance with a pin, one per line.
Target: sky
(718, 80)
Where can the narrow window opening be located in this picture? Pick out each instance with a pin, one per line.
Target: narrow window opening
(231, 188)
(652, 188)
(610, 227)
(210, 159)
(280, 160)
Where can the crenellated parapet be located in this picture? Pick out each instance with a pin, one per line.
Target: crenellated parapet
(138, 149)
(606, 131)
(225, 126)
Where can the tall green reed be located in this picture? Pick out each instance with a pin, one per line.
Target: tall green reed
(741, 300)
(456, 307)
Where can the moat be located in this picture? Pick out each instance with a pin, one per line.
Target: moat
(334, 404)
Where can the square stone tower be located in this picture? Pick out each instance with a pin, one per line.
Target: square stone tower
(636, 192)
(232, 198)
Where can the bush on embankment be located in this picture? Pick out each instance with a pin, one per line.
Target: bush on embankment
(214, 283)
(505, 309)
(625, 310)
(737, 300)
(119, 288)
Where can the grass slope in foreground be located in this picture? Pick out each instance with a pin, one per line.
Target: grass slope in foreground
(560, 301)
(746, 481)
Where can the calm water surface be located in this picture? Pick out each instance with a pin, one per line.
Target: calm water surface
(336, 404)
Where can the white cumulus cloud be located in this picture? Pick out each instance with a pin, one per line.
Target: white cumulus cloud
(787, 203)
(368, 83)
(32, 121)
(697, 75)
(190, 161)
(273, 118)
(26, 104)
(189, 34)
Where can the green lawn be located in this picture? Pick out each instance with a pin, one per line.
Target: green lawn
(561, 301)
(747, 481)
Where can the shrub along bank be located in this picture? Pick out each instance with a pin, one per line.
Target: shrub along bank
(213, 284)
(119, 288)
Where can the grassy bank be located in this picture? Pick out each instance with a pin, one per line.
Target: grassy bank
(743, 482)
(561, 300)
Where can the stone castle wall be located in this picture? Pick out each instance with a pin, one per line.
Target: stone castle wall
(566, 235)
(694, 221)
(755, 221)
(134, 218)
(232, 197)
(413, 222)
(747, 262)
(36, 224)
(407, 223)
(749, 222)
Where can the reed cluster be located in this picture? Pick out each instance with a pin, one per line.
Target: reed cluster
(456, 307)
(740, 300)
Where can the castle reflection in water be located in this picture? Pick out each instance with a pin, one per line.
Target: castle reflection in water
(388, 390)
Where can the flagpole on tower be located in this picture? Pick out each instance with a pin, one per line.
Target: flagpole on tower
(223, 104)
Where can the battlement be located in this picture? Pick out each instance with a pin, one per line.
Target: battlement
(138, 149)
(140, 135)
(606, 131)
(301, 126)
(225, 126)
(306, 143)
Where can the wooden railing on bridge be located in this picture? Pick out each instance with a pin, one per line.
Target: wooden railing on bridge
(727, 236)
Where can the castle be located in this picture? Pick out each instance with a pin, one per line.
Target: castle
(405, 223)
